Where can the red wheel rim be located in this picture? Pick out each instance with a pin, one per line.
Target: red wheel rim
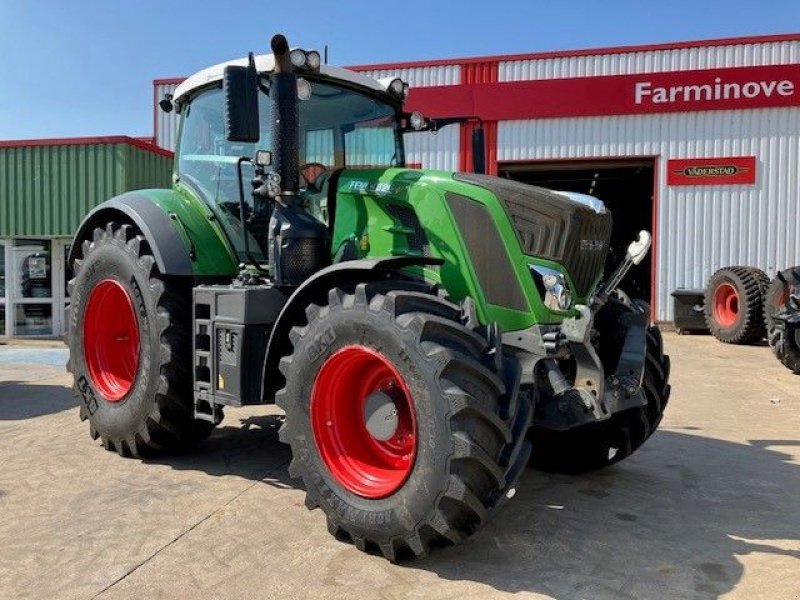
(726, 305)
(362, 464)
(111, 339)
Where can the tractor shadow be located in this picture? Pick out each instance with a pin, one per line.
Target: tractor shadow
(21, 400)
(247, 448)
(668, 522)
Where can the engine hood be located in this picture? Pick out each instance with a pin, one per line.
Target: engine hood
(571, 229)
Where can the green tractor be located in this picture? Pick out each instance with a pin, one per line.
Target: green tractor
(428, 334)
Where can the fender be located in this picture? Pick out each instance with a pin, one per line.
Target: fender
(350, 271)
(173, 227)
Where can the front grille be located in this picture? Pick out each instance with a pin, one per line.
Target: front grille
(552, 226)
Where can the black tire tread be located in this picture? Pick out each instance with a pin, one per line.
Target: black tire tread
(750, 284)
(171, 425)
(475, 395)
(789, 353)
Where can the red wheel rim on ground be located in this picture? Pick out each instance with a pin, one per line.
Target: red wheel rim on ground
(111, 339)
(726, 305)
(361, 463)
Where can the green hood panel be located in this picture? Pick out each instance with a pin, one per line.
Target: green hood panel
(394, 212)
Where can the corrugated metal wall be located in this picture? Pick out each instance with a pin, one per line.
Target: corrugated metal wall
(147, 170)
(166, 123)
(46, 190)
(700, 228)
(438, 150)
(419, 76)
(679, 59)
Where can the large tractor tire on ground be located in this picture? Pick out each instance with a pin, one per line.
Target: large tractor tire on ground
(401, 428)
(775, 300)
(130, 346)
(597, 445)
(734, 301)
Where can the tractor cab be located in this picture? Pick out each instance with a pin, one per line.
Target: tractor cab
(344, 121)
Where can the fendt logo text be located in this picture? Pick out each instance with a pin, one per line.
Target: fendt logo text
(646, 93)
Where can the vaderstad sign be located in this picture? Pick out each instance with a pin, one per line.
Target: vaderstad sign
(732, 88)
(711, 171)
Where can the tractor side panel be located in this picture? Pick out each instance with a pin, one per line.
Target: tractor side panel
(399, 212)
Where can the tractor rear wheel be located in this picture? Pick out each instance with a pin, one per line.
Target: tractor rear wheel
(398, 424)
(734, 305)
(598, 445)
(130, 346)
(775, 301)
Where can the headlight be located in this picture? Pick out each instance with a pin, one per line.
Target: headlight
(303, 89)
(313, 60)
(298, 58)
(303, 60)
(416, 120)
(553, 286)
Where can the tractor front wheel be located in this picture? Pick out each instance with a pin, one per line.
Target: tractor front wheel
(395, 419)
(130, 346)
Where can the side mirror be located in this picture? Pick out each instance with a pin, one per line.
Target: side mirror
(478, 151)
(240, 86)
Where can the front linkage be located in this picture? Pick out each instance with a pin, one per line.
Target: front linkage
(600, 378)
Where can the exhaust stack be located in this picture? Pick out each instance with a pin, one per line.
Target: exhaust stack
(283, 93)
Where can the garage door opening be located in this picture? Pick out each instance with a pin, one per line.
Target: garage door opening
(626, 188)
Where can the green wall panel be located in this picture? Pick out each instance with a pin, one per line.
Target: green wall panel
(45, 190)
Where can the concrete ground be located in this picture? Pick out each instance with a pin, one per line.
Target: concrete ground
(708, 508)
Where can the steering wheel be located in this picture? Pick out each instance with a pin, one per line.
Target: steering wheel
(311, 171)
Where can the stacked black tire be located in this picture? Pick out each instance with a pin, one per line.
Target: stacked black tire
(783, 338)
(734, 305)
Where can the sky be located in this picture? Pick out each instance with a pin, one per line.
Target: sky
(81, 68)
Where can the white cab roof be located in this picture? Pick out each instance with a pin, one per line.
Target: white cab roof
(265, 63)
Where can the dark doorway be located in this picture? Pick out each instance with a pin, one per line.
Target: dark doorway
(626, 188)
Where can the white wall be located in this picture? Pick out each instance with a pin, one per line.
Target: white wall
(700, 228)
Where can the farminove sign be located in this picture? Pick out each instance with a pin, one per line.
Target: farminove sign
(728, 88)
(646, 92)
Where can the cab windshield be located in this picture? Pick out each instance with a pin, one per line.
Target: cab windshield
(339, 128)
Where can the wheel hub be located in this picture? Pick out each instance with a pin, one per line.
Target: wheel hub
(726, 305)
(380, 416)
(362, 416)
(111, 340)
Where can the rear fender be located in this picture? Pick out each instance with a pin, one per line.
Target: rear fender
(182, 238)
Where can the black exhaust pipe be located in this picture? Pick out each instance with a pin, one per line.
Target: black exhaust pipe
(299, 245)
(283, 92)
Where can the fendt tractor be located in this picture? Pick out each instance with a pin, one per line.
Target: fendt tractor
(427, 334)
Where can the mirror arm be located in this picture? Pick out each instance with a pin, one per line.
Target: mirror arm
(250, 257)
